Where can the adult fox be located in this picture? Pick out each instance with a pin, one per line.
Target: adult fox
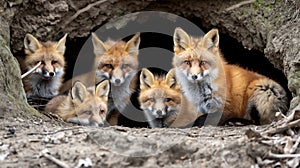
(215, 86)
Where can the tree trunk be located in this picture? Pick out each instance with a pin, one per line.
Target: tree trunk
(13, 102)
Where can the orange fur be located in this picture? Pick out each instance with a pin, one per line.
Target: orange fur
(117, 61)
(83, 105)
(47, 78)
(162, 102)
(237, 92)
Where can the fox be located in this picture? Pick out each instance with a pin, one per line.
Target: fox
(83, 106)
(161, 100)
(117, 61)
(46, 80)
(214, 86)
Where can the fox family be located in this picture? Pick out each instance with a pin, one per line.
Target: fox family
(200, 83)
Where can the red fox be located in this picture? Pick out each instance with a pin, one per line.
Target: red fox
(117, 61)
(160, 98)
(47, 78)
(215, 86)
(82, 105)
(162, 102)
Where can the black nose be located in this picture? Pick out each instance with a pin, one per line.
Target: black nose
(194, 77)
(117, 81)
(51, 73)
(159, 112)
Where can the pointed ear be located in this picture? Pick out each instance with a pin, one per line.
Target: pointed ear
(102, 89)
(182, 40)
(61, 44)
(79, 92)
(132, 46)
(146, 79)
(31, 44)
(171, 79)
(211, 39)
(99, 46)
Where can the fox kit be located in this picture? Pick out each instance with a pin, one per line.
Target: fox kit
(83, 105)
(160, 98)
(162, 102)
(47, 78)
(215, 86)
(117, 61)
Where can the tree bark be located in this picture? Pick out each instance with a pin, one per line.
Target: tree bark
(13, 102)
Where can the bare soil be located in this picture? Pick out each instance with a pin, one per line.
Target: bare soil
(22, 143)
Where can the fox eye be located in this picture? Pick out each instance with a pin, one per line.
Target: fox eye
(108, 66)
(102, 111)
(125, 66)
(203, 63)
(88, 112)
(53, 62)
(187, 62)
(167, 99)
(151, 99)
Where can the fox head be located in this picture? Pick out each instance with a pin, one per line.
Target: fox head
(197, 59)
(116, 61)
(50, 54)
(159, 96)
(90, 107)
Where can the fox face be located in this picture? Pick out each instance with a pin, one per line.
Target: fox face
(47, 78)
(195, 59)
(116, 61)
(159, 96)
(50, 54)
(89, 107)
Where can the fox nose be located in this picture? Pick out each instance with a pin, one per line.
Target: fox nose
(194, 77)
(117, 81)
(159, 112)
(51, 74)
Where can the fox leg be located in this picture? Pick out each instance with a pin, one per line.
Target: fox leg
(265, 98)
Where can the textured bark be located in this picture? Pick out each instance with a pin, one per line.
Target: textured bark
(12, 96)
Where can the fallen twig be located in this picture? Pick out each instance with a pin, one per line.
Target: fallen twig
(53, 159)
(88, 7)
(281, 156)
(240, 4)
(281, 128)
(31, 70)
(295, 146)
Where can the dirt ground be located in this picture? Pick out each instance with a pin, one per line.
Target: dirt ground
(22, 143)
(30, 143)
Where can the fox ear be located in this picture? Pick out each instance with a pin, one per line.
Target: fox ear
(61, 44)
(31, 44)
(170, 78)
(181, 40)
(79, 92)
(211, 39)
(146, 79)
(99, 46)
(132, 46)
(102, 89)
